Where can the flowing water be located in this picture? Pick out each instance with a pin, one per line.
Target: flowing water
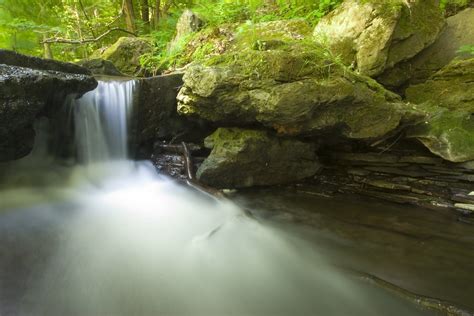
(108, 236)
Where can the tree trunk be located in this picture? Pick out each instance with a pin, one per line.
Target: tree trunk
(145, 11)
(129, 15)
(166, 7)
(157, 13)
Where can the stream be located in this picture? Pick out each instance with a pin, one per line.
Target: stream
(110, 236)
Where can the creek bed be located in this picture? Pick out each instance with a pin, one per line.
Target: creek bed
(427, 252)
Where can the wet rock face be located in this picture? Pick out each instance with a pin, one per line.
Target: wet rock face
(374, 36)
(459, 31)
(156, 117)
(98, 66)
(125, 54)
(245, 158)
(448, 99)
(404, 173)
(26, 93)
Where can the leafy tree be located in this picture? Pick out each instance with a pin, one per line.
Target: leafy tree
(74, 29)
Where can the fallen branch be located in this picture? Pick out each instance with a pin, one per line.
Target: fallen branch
(175, 148)
(87, 40)
(188, 162)
(445, 307)
(191, 179)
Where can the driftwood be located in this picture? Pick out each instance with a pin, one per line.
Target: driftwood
(425, 302)
(185, 150)
(188, 162)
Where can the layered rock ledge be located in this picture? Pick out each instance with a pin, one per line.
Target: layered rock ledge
(31, 87)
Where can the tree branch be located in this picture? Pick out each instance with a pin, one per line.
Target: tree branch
(87, 40)
(87, 17)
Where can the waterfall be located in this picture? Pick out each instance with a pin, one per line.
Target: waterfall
(109, 236)
(101, 119)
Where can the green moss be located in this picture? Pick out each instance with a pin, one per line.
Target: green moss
(449, 134)
(290, 60)
(387, 7)
(244, 158)
(125, 53)
(248, 33)
(452, 87)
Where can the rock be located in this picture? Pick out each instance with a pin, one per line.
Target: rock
(452, 87)
(459, 31)
(188, 23)
(374, 36)
(8, 57)
(125, 54)
(295, 89)
(98, 66)
(448, 134)
(464, 206)
(452, 7)
(156, 117)
(448, 99)
(26, 93)
(245, 158)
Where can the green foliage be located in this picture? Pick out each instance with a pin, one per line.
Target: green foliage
(453, 6)
(225, 11)
(466, 49)
(24, 24)
(230, 14)
(216, 13)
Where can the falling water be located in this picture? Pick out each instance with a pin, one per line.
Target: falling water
(101, 119)
(124, 241)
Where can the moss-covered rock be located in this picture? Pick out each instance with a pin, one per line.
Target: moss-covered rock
(294, 87)
(125, 54)
(452, 87)
(245, 158)
(374, 35)
(99, 66)
(188, 23)
(459, 31)
(448, 99)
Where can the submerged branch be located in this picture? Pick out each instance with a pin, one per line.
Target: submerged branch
(191, 179)
(188, 162)
(87, 40)
(434, 304)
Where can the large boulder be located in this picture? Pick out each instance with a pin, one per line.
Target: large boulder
(188, 23)
(27, 93)
(293, 87)
(245, 158)
(101, 67)
(125, 54)
(458, 32)
(374, 35)
(448, 98)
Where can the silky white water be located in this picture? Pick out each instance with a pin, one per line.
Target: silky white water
(109, 236)
(101, 120)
